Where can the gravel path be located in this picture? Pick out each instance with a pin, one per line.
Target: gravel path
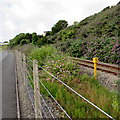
(53, 107)
(26, 110)
(49, 108)
(106, 79)
(26, 107)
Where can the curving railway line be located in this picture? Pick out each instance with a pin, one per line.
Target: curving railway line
(104, 67)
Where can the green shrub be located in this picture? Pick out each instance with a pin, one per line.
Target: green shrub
(41, 53)
(24, 41)
(59, 65)
(41, 41)
(78, 48)
(67, 34)
(60, 25)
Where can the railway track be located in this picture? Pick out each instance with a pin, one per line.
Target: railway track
(104, 67)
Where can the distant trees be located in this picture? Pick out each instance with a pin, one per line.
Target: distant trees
(29, 36)
(48, 33)
(75, 23)
(25, 38)
(34, 38)
(24, 41)
(5, 41)
(61, 24)
(22, 38)
(16, 40)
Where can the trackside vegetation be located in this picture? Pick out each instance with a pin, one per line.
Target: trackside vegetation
(59, 65)
(95, 36)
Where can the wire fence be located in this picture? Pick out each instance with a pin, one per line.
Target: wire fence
(28, 71)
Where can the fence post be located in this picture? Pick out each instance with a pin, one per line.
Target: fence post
(38, 112)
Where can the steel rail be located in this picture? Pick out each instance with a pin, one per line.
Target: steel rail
(112, 69)
(103, 70)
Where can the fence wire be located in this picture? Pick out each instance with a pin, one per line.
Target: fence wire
(77, 93)
(44, 113)
(29, 92)
(46, 106)
(29, 67)
(56, 101)
(50, 112)
(69, 89)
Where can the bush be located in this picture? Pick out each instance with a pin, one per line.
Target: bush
(41, 41)
(41, 53)
(24, 41)
(60, 25)
(65, 35)
(48, 33)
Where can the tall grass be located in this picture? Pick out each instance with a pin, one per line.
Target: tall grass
(41, 53)
(57, 64)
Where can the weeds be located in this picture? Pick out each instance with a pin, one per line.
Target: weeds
(58, 64)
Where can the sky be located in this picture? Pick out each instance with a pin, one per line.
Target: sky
(28, 16)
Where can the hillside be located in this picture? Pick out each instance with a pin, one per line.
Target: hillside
(96, 35)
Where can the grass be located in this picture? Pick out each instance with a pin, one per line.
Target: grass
(58, 64)
(41, 53)
(0, 48)
(3, 47)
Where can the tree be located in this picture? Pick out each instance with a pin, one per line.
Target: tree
(28, 36)
(24, 41)
(34, 38)
(41, 41)
(48, 33)
(5, 41)
(60, 25)
(75, 23)
(16, 40)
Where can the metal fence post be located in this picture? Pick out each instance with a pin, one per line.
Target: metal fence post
(38, 113)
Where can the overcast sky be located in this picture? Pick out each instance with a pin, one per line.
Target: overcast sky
(22, 16)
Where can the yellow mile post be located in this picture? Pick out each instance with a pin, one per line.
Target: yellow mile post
(95, 61)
